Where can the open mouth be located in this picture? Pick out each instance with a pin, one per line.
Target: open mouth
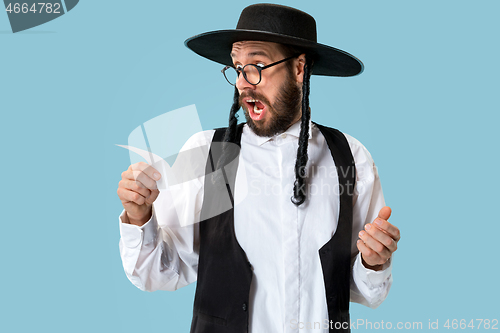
(256, 108)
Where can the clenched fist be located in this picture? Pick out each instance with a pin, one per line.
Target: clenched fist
(137, 190)
(378, 241)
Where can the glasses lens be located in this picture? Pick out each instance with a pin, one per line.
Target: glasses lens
(231, 75)
(252, 74)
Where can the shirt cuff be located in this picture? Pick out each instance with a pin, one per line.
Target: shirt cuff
(373, 279)
(133, 235)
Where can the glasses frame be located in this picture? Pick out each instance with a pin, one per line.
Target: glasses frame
(259, 69)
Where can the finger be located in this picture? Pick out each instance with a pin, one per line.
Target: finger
(128, 174)
(374, 244)
(145, 180)
(388, 228)
(369, 256)
(382, 237)
(143, 172)
(147, 169)
(139, 176)
(385, 213)
(130, 196)
(135, 186)
(153, 196)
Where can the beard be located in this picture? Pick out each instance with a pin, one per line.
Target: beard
(282, 113)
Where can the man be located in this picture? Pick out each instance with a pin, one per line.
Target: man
(283, 258)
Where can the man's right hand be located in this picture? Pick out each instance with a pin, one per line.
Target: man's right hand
(137, 190)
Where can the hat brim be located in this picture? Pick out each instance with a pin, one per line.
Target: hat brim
(329, 61)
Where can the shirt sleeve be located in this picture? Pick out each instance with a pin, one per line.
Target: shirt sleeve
(163, 253)
(368, 287)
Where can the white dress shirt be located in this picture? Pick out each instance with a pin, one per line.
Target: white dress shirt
(280, 239)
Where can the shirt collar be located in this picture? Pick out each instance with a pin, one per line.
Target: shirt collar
(293, 130)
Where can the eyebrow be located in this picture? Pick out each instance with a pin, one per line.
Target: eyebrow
(253, 54)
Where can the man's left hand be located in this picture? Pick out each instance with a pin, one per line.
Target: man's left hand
(378, 241)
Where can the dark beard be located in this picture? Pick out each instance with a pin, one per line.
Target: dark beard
(283, 112)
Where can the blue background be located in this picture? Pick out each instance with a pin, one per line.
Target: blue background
(426, 107)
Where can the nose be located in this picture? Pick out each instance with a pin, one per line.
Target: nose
(241, 83)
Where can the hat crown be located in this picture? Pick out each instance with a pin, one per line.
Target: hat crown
(276, 24)
(278, 19)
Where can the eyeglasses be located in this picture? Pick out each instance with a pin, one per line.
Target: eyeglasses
(252, 73)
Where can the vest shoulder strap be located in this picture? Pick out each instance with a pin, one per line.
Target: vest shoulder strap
(220, 132)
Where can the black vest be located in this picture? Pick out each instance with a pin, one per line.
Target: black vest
(224, 272)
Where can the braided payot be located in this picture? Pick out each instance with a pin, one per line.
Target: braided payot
(299, 186)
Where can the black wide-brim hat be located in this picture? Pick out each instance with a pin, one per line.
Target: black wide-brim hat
(278, 24)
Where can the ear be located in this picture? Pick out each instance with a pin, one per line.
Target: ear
(299, 64)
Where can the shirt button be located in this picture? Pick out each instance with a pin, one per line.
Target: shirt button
(283, 135)
(244, 306)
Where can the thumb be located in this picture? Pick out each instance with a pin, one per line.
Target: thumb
(385, 213)
(153, 196)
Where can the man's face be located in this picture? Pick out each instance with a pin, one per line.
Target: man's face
(275, 103)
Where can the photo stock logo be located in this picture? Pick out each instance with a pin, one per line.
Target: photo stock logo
(25, 15)
(175, 145)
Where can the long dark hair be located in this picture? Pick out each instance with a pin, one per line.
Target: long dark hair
(230, 134)
(299, 186)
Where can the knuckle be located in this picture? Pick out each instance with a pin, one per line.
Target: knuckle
(144, 183)
(135, 185)
(137, 174)
(378, 247)
(389, 242)
(123, 183)
(397, 233)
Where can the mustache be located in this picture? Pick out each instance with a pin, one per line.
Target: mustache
(253, 95)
